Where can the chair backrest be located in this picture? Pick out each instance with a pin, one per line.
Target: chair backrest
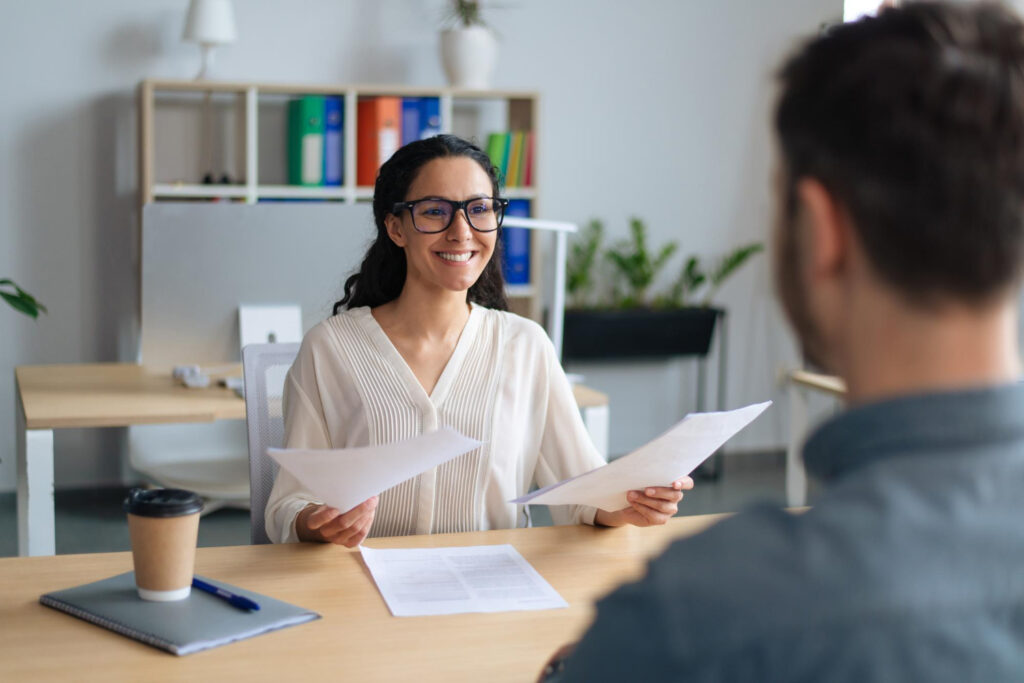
(264, 367)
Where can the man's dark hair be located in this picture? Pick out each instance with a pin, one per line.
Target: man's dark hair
(914, 121)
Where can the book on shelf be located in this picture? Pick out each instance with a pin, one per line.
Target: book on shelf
(496, 149)
(512, 153)
(515, 245)
(411, 111)
(430, 117)
(421, 118)
(306, 141)
(334, 141)
(378, 135)
(527, 177)
(515, 159)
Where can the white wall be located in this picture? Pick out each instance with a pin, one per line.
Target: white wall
(653, 107)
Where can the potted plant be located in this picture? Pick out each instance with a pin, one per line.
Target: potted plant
(633, 324)
(19, 299)
(469, 48)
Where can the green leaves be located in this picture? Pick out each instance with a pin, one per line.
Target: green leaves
(466, 13)
(634, 270)
(579, 269)
(729, 265)
(19, 299)
(634, 264)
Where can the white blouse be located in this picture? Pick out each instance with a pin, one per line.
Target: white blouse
(503, 385)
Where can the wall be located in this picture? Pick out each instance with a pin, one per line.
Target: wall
(655, 108)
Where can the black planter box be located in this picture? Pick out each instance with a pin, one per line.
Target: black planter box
(638, 333)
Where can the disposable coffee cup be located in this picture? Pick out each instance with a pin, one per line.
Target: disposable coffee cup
(164, 527)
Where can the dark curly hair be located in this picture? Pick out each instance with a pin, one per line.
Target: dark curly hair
(382, 273)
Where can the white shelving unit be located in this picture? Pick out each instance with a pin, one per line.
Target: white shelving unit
(224, 119)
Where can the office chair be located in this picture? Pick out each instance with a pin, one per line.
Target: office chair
(264, 367)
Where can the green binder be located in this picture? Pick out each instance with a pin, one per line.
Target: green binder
(306, 141)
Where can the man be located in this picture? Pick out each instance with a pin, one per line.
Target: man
(898, 250)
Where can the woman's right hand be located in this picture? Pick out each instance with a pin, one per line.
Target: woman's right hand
(329, 525)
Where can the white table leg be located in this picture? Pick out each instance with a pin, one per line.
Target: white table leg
(596, 420)
(36, 533)
(796, 477)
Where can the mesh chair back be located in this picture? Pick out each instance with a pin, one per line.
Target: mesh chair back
(264, 367)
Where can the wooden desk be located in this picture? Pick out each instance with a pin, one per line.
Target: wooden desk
(52, 397)
(800, 382)
(356, 640)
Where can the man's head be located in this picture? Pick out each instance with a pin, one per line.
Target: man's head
(902, 141)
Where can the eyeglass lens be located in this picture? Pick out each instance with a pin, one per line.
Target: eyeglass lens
(435, 215)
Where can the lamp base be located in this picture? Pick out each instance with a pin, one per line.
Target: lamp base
(206, 52)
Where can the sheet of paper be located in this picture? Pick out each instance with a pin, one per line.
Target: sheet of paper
(345, 477)
(417, 582)
(674, 454)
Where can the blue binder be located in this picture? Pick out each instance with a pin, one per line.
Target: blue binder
(334, 141)
(430, 117)
(410, 119)
(515, 253)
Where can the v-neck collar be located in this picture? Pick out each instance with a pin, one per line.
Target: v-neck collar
(451, 369)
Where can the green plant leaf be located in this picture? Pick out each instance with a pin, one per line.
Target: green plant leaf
(580, 262)
(729, 265)
(733, 261)
(20, 300)
(634, 264)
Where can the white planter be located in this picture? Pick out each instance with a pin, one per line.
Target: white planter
(469, 56)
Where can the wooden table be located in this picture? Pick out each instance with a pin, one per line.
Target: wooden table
(800, 382)
(50, 397)
(356, 640)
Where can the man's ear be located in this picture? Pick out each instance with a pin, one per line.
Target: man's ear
(393, 224)
(827, 229)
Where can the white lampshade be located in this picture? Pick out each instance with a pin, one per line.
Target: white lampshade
(210, 22)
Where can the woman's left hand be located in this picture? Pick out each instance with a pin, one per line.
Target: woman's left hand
(651, 506)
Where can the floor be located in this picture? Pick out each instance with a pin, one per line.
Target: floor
(91, 521)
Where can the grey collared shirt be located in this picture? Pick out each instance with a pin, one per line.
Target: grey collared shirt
(910, 567)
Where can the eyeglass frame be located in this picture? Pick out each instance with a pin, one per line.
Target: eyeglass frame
(464, 205)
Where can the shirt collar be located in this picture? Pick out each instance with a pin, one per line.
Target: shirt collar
(915, 424)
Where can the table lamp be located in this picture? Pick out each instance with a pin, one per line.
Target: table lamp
(209, 23)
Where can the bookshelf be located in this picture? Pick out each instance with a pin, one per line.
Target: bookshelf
(237, 133)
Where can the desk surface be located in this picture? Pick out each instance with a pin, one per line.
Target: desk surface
(117, 395)
(125, 394)
(357, 638)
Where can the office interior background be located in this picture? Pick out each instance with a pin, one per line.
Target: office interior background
(658, 109)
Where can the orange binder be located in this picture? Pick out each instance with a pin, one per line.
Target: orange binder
(379, 134)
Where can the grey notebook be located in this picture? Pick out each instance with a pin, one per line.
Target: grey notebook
(199, 622)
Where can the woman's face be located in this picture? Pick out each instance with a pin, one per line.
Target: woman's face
(451, 260)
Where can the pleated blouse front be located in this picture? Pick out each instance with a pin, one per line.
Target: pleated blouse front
(503, 385)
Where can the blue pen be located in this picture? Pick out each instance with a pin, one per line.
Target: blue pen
(235, 600)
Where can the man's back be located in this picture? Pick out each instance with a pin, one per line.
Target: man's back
(910, 567)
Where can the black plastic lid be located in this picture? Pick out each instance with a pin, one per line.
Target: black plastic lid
(162, 503)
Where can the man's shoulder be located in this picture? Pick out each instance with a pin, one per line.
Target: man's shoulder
(754, 574)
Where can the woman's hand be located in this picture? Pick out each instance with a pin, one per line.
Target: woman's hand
(328, 525)
(654, 505)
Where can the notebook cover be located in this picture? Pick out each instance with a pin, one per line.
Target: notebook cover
(199, 622)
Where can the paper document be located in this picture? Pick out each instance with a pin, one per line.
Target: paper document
(417, 582)
(345, 477)
(674, 454)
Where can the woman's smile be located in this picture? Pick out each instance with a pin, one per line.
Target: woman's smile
(456, 258)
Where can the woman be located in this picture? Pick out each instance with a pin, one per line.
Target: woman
(423, 341)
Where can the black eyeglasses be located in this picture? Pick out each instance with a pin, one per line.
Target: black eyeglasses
(433, 215)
